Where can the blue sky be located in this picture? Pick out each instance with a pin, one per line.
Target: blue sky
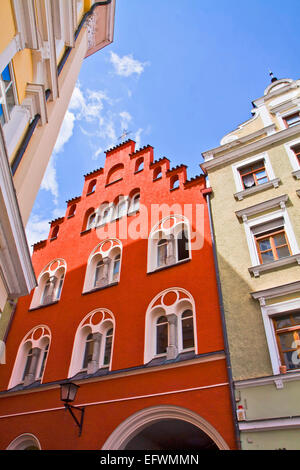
(179, 75)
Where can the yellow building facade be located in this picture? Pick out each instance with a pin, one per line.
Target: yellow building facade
(255, 205)
(42, 47)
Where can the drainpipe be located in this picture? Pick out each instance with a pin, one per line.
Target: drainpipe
(207, 192)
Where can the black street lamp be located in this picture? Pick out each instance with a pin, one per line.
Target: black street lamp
(68, 392)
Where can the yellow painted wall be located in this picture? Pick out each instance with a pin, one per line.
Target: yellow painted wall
(249, 351)
(7, 24)
(22, 64)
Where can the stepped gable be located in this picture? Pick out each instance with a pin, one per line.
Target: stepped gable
(98, 171)
(122, 144)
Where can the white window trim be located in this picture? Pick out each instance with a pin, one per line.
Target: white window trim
(42, 279)
(248, 161)
(154, 311)
(281, 116)
(97, 252)
(292, 157)
(19, 365)
(107, 322)
(248, 224)
(152, 241)
(268, 312)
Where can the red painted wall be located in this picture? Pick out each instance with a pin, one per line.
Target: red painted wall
(128, 301)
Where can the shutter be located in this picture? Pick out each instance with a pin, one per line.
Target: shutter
(268, 226)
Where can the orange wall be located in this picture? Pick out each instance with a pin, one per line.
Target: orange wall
(128, 302)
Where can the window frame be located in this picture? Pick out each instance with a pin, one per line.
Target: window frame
(253, 174)
(3, 101)
(269, 312)
(251, 161)
(296, 113)
(249, 224)
(273, 245)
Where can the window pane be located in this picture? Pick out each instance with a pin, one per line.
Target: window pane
(182, 246)
(264, 244)
(2, 119)
(6, 74)
(162, 253)
(28, 363)
(161, 336)
(248, 181)
(283, 322)
(287, 340)
(293, 120)
(187, 333)
(280, 239)
(267, 257)
(88, 353)
(283, 252)
(10, 99)
(108, 345)
(258, 165)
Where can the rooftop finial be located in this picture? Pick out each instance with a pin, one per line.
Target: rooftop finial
(273, 79)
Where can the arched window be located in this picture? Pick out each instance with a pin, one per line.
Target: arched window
(54, 232)
(169, 242)
(72, 210)
(115, 174)
(93, 343)
(103, 268)
(161, 335)
(50, 284)
(135, 203)
(91, 187)
(121, 208)
(170, 325)
(107, 214)
(174, 183)
(31, 357)
(92, 221)
(157, 173)
(139, 165)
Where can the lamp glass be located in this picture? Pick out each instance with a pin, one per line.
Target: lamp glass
(68, 391)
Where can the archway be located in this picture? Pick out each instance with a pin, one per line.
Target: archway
(165, 427)
(171, 434)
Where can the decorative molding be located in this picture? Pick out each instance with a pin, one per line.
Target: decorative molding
(16, 266)
(257, 146)
(262, 206)
(277, 291)
(257, 270)
(272, 424)
(35, 101)
(139, 420)
(298, 192)
(26, 23)
(296, 174)
(261, 187)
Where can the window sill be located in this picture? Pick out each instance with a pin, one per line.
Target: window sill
(113, 182)
(169, 266)
(256, 189)
(43, 305)
(85, 231)
(296, 174)
(92, 192)
(96, 289)
(256, 270)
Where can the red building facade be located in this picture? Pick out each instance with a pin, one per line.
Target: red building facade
(127, 308)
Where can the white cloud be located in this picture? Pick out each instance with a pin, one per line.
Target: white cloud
(37, 229)
(137, 138)
(126, 65)
(49, 182)
(125, 119)
(65, 133)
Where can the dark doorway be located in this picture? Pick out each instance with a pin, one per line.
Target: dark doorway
(171, 434)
